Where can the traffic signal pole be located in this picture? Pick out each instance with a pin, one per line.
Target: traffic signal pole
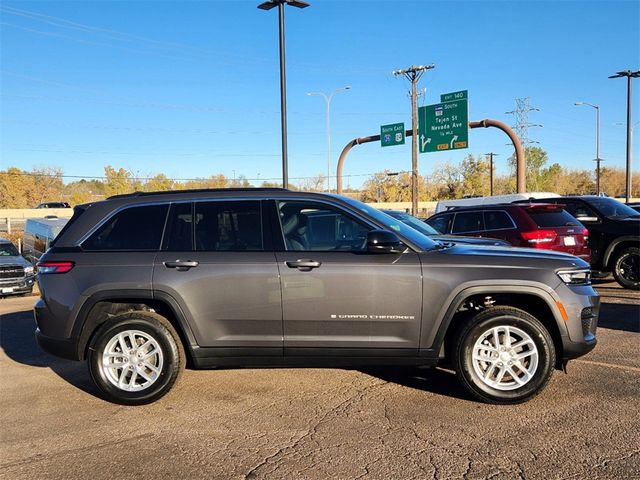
(520, 160)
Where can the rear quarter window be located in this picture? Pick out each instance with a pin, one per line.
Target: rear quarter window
(134, 228)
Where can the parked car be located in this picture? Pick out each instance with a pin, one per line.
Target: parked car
(38, 235)
(16, 274)
(137, 284)
(476, 201)
(432, 233)
(54, 205)
(614, 230)
(543, 226)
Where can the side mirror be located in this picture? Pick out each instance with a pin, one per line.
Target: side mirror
(383, 241)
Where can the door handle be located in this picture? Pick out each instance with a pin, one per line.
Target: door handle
(181, 265)
(303, 265)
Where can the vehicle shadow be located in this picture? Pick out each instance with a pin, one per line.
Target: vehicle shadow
(435, 380)
(620, 316)
(18, 342)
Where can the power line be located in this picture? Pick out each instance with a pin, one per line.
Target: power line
(104, 177)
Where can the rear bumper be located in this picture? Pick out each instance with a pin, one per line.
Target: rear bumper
(64, 348)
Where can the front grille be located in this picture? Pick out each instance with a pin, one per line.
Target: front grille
(11, 272)
(589, 318)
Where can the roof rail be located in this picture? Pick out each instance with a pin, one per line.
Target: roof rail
(198, 190)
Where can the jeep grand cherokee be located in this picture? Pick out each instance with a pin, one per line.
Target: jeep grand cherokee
(140, 285)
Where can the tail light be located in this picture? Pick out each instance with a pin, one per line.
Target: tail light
(585, 234)
(540, 238)
(54, 267)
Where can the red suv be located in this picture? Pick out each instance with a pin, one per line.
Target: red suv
(532, 225)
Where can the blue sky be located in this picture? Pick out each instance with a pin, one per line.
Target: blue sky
(191, 89)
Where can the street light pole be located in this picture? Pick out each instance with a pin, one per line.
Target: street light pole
(598, 159)
(413, 74)
(327, 99)
(629, 74)
(268, 5)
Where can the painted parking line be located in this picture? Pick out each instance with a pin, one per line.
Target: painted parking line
(610, 365)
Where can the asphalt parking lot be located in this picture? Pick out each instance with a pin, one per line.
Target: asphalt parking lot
(322, 423)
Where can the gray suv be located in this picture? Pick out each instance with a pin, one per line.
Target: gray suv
(141, 285)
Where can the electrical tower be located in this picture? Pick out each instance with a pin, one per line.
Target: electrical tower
(521, 113)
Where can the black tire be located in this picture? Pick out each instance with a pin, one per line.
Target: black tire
(479, 326)
(626, 270)
(171, 359)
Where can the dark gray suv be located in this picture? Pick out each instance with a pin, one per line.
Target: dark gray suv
(141, 285)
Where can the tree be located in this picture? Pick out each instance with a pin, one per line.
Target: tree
(17, 189)
(313, 184)
(117, 182)
(475, 176)
(449, 180)
(536, 158)
(159, 183)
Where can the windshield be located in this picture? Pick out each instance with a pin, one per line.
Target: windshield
(413, 222)
(612, 208)
(392, 224)
(8, 250)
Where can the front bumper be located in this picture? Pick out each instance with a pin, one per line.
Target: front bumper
(18, 286)
(582, 305)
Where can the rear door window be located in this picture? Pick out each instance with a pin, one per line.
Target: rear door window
(468, 222)
(179, 232)
(546, 218)
(497, 220)
(234, 226)
(135, 228)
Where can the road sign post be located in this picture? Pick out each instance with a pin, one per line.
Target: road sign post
(444, 126)
(392, 134)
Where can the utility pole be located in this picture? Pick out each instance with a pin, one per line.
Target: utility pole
(629, 74)
(413, 74)
(491, 154)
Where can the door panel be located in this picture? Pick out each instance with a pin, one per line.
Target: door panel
(221, 275)
(334, 293)
(351, 300)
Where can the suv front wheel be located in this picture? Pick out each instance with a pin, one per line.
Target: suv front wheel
(135, 358)
(504, 355)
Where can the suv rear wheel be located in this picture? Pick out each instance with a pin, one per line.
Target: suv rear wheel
(135, 358)
(626, 270)
(504, 355)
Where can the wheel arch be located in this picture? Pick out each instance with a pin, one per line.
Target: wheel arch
(616, 246)
(532, 300)
(102, 305)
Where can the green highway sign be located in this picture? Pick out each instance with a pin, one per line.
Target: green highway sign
(444, 126)
(447, 97)
(392, 134)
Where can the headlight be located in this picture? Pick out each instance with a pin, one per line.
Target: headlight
(576, 277)
(28, 270)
